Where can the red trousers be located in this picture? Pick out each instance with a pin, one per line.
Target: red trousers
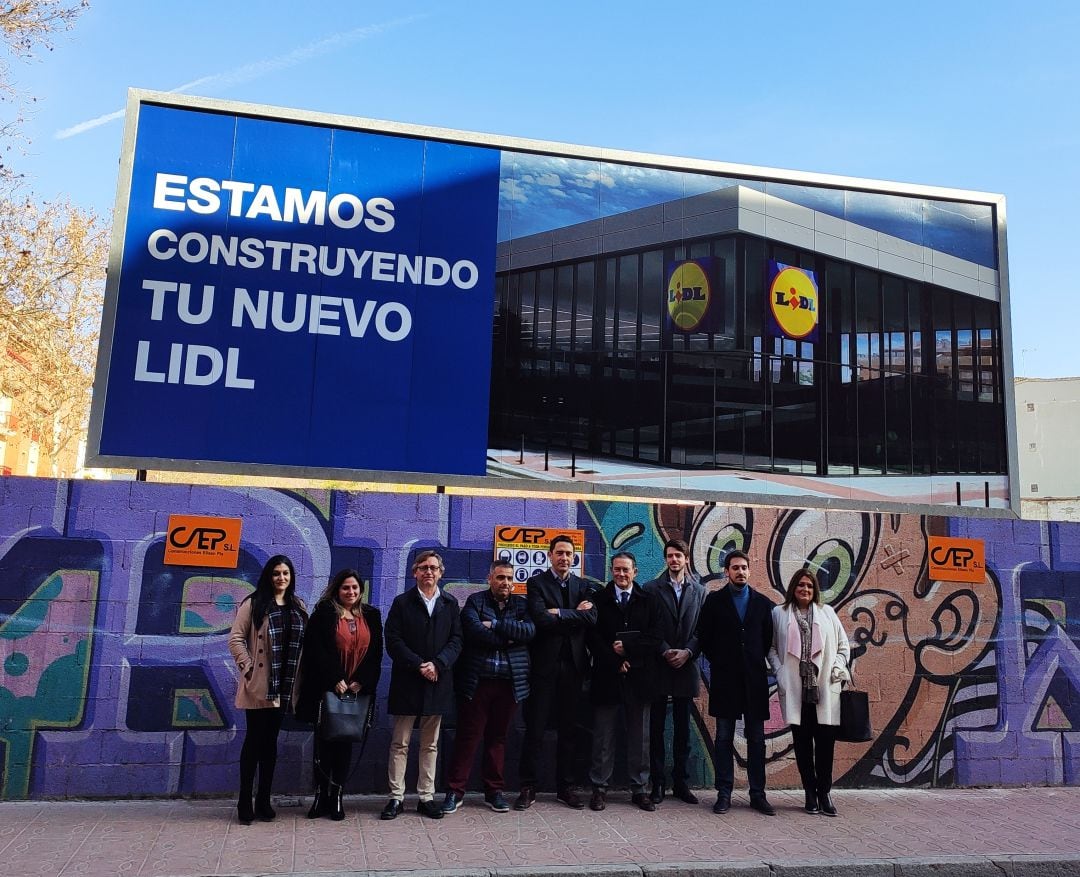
(485, 718)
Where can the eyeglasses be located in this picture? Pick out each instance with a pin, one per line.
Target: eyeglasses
(427, 567)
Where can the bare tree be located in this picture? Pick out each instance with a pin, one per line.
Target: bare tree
(26, 28)
(52, 277)
(52, 264)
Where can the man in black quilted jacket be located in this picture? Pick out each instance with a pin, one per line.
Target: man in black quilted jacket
(493, 678)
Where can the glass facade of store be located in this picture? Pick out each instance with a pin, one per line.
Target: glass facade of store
(905, 377)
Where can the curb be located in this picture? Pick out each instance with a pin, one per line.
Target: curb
(944, 866)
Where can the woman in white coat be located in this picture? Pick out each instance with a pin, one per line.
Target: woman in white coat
(810, 658)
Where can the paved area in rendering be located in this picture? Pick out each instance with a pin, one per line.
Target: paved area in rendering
(876, 829)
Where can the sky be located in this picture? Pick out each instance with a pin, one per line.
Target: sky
(967, 95)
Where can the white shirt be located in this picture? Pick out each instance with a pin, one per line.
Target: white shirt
(429, 603)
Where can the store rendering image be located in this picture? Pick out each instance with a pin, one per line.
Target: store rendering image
(899, 371)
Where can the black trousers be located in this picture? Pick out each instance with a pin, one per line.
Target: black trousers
(332, 761)
(814, 745)
(559, 691)
(680, 740)
(260, 750)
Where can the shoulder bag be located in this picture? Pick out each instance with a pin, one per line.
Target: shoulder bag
(854, 716)
(345, 719)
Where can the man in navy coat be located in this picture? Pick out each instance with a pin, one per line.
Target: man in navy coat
(735, 633)
(561, 607)
(625, 649)
(423, 638)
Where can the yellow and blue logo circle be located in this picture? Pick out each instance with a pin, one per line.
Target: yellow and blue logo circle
(688, 295)
(793, 299)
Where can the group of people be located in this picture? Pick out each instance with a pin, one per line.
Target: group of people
(287, 660)
(631, 649)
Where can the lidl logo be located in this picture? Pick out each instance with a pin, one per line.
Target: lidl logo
(956, 560)
(793, 300)
(688, 294)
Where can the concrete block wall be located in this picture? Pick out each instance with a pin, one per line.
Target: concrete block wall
(115, 679)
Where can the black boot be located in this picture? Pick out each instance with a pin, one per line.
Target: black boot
(245, 815)
(321, 802)
(263, 808)
(337, 802)
(811, 805)
(826, 804)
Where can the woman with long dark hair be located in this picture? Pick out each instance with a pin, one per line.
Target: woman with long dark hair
(266, 642)
(810, 657)
(343, 653)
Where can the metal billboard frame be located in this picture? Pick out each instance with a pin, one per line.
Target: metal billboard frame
(139, 97)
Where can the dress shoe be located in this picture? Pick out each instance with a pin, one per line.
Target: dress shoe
(571, 798)
(657, 793)
(497, 802)
(598, 801)
(642, 802)
(811, 805)
(722, 805)
(392, 810)
(245, 815)
(430, 809)
(526, 798)
(762, 805)
(826, 804)
(684, 794)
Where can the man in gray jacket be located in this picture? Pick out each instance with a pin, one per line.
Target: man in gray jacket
(679, 596)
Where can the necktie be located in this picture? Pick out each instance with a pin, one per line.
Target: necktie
(623, 597)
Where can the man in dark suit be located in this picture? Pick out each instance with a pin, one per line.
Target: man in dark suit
(625, 647)
(561, 607)
(679, 596)
(423, 638)
(735, 633)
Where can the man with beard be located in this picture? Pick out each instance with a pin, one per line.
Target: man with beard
(678, 596)
(735, 634)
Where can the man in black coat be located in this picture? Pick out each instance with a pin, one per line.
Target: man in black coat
(492, 679)
(561, 607)
(423, 639)
(679, 596)
(625, 649)
(735, 633)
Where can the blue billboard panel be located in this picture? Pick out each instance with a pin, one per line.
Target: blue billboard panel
(299, 295)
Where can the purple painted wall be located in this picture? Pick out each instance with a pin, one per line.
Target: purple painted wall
(115, 679)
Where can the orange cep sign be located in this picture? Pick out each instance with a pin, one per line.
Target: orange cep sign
(956, 560)
(195, 540)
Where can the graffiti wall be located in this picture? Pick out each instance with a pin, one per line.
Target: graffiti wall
(115, 679)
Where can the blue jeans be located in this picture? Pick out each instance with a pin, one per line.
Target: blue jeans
(724, 756)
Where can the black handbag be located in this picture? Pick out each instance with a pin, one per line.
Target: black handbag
(854, 717)
(345, 719)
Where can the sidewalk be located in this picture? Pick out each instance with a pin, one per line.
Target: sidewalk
(1034, 831)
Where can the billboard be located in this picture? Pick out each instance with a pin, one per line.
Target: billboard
(325, 296)
(302, 296)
